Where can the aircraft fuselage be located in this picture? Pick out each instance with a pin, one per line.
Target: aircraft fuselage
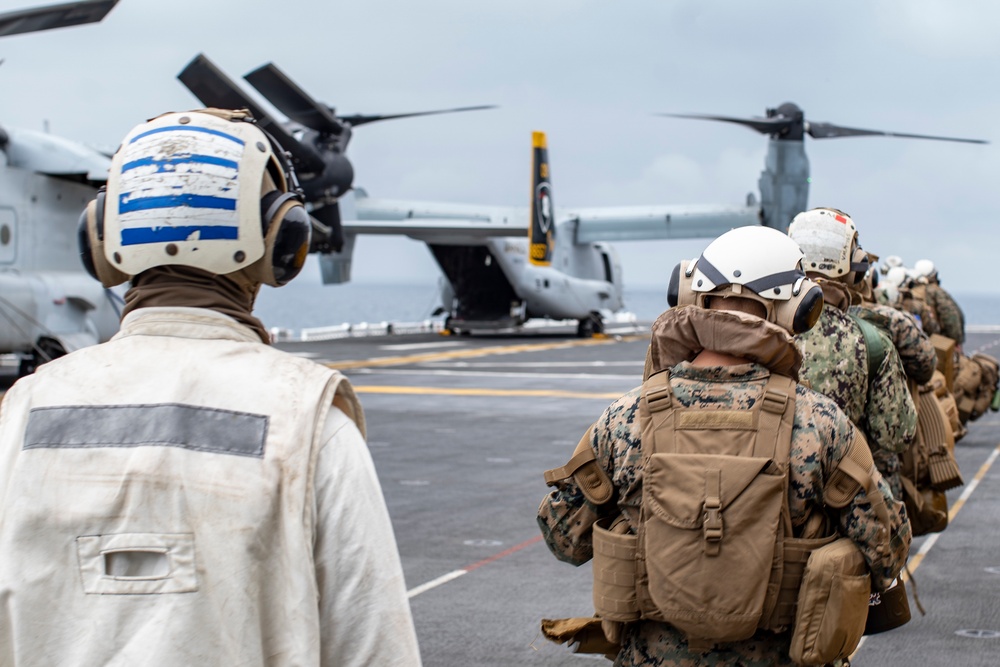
(494, 284)
(43, 300)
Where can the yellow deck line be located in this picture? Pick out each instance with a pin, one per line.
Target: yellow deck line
(476, 391)
(478, 352)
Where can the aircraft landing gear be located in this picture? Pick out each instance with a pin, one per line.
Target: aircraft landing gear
(451, 330)
(589, 326)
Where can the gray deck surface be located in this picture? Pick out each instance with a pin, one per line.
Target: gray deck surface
(461, 429)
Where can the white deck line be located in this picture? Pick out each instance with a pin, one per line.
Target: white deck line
(443, 579)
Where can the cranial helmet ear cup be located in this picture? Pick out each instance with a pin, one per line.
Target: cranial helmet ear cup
(808, 309)
(287, 232)
(679, 292)
(672, 286)
(90, 237)
(83, 240)
(860, 263)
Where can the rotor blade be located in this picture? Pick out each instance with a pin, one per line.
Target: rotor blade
(762, 125)
(208, 83)
(292, 101)
(361, 119)
(831, 131)
(54, 16)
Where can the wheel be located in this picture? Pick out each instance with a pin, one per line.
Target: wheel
(588, 326)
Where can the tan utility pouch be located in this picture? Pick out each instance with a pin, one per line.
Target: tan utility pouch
(945, 348)
(927, 509)
(966, 386)
(833, 604)
(692, 552)
(836, 585)
(990, 375)
(615, 571)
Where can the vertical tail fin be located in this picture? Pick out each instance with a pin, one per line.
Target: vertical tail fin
(542, 234)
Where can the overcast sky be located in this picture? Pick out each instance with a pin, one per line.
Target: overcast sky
(590, 73)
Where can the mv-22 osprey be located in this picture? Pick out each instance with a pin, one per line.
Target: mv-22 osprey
(48, 304)
(564, 267)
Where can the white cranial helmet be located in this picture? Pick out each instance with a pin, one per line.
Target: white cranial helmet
(887, 293)
(829, 240)
(891, 262)
(897, 276)
(757, 263)
(924, 268)
(207, 189)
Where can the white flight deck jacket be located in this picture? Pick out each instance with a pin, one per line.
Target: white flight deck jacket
(184, 495)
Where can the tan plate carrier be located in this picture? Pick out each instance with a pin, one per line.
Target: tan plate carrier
(714, 554)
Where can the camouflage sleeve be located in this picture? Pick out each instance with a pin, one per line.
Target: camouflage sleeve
(949, 316)
(890, 415)
(928, 320)
(818, 418)
(566, 519)
(859, 520)
(916, 351)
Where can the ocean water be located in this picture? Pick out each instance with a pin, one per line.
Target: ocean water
(306, 305)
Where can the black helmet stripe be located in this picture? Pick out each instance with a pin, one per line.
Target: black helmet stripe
(710, 272)
(755, 286)
(774, 280)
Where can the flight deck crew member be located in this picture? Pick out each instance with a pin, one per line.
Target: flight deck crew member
(721, 358)
(835, 359)
(915, 349)
(184, 494)
(913, 298)
(947, 311)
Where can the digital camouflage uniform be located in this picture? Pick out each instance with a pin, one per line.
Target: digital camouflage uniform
(835, 363)
(821, 435)
(948, 314)
(913, 300)
(919, 360)
(916, 351)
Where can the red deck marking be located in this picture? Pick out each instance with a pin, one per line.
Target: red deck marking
(513, 549)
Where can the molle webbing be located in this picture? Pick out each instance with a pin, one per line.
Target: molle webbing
(593, 482)
(765, 420)
(757, 441)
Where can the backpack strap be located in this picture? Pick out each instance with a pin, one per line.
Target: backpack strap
(775, 419)
(856, 471)
(593, 482)
(876, 345)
